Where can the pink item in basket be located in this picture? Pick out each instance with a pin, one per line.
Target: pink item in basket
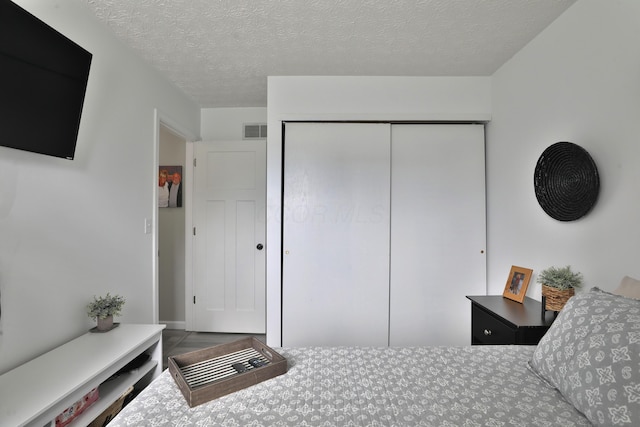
(77, 408)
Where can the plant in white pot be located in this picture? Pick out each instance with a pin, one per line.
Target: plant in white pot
(104, 308)
(558, 285)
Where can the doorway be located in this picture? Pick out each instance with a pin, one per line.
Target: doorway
(171, 232)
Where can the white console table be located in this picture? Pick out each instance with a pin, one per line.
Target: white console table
(35, 393)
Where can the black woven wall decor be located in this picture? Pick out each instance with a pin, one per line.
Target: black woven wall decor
(566, 181)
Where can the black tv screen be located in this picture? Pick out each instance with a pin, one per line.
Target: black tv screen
(43, 79)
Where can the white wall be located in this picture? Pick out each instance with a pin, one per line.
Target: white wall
(578, 81)
(353, 98)
(74, 229)
(225, 124)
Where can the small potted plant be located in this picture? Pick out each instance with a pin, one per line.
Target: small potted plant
(558, 285)
(103, 309)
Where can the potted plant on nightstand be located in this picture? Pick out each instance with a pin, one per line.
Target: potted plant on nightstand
(558, 285)
(103, 309)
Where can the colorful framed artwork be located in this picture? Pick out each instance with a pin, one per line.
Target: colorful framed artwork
(170, 187)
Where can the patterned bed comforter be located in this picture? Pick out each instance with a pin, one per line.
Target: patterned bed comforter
(422, 386)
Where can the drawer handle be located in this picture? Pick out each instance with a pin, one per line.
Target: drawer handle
(487, 331)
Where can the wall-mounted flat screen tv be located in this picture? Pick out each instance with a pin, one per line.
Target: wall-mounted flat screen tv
(43, 79)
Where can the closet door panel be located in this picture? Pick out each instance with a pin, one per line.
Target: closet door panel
(335, 261)
(438, 232)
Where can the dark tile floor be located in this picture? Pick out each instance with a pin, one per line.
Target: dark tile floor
(175, 341)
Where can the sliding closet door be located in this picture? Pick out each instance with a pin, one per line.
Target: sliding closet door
(438, 233)
(335, 261)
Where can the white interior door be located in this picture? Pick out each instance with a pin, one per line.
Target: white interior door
(229, 219)
(335, 267)
(438, 232)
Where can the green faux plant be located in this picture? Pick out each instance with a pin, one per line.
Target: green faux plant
(561, 278)
(103, 307)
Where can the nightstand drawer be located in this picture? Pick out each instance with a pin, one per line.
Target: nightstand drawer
(499, 320)
(487, 329)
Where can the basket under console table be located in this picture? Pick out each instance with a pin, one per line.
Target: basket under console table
(34, 393)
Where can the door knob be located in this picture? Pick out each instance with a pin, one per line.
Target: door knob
(260, 246)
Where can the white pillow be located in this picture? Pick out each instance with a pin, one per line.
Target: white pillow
(629, 287)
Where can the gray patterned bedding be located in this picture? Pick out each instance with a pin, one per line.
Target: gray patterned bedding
(585, 370)
(423, 386)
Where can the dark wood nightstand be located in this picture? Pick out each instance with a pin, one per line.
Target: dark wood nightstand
(499, 320)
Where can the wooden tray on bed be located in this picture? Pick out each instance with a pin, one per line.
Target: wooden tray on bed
(207, 374)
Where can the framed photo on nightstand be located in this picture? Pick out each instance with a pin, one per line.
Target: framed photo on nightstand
(517, 283)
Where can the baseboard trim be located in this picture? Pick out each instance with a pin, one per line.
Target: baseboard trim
(174, 324)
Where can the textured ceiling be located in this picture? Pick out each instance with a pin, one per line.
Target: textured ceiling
(220, 52)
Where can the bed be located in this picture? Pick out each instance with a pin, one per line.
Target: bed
(585, 370)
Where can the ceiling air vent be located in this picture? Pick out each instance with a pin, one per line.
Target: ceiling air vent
(254, 131)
